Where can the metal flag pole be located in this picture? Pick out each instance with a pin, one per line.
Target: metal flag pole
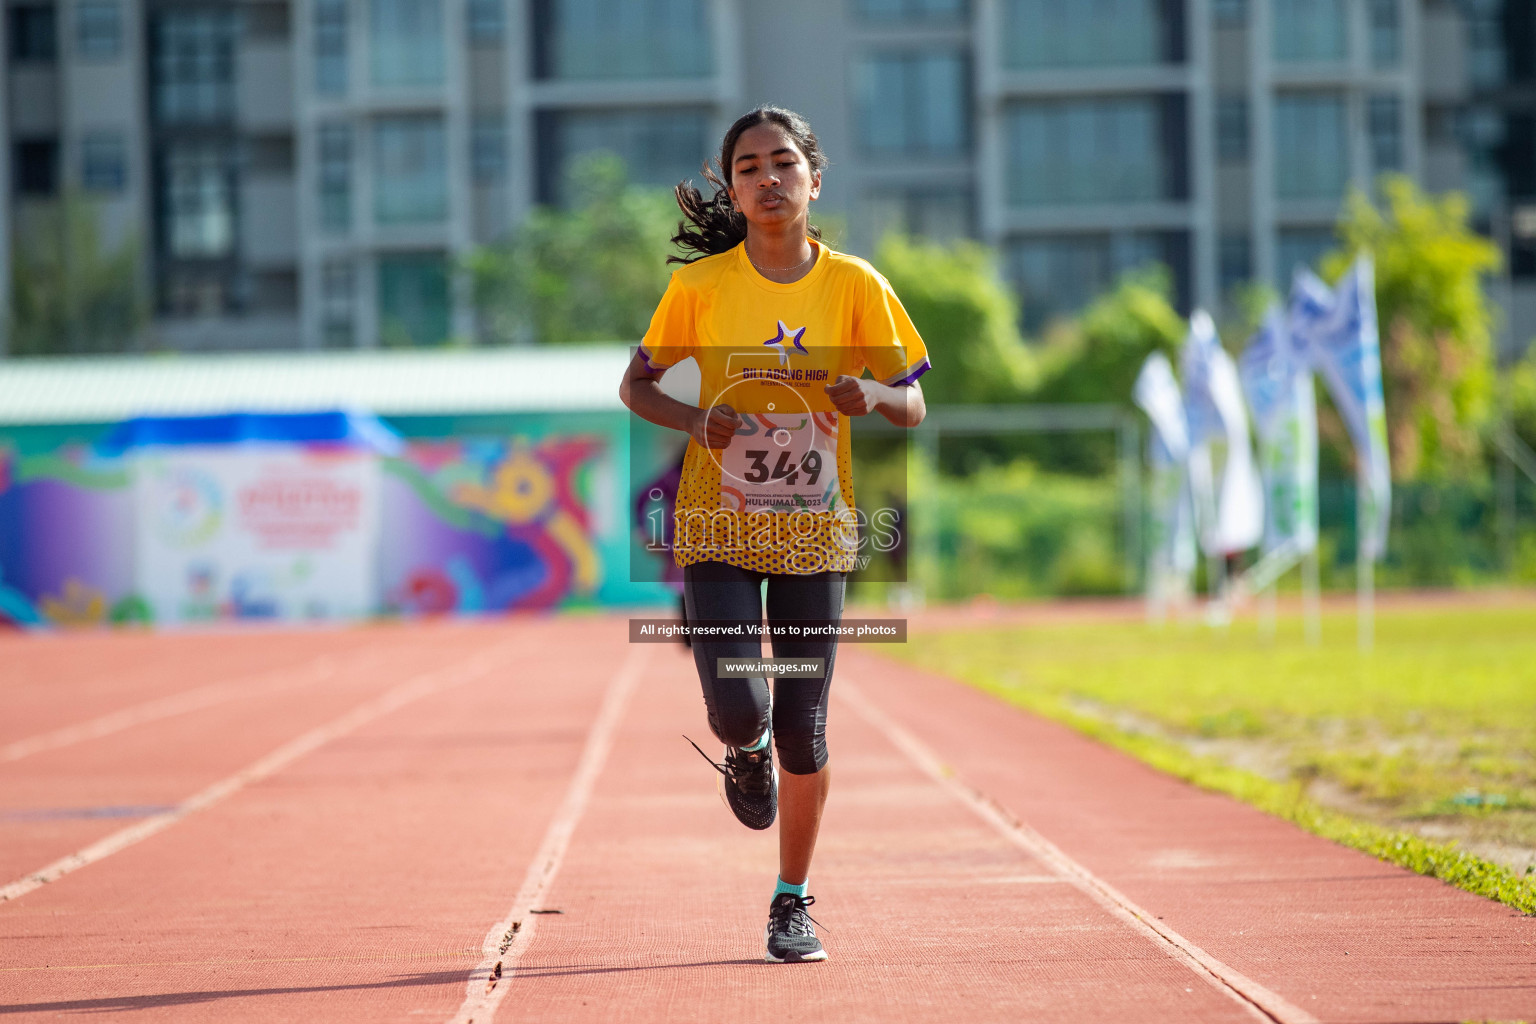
(1156, 588)
(1311, 599)
(1268, 600)
(1365, 564)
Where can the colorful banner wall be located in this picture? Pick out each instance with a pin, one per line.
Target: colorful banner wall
(472, 514)
(66, 539)
(256, 531)
(496, 524)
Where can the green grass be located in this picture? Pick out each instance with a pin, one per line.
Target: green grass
(1432, 735)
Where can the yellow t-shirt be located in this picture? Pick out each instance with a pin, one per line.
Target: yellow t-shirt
(780, 498)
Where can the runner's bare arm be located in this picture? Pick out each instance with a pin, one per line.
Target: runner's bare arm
(856, 396)
(640, 390)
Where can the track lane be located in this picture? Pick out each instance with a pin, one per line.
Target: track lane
(1334, 932)
(928, 912)
(357, 883)
(62, 799)
(413, 689)
(349, 886)
(52, 682)
(503, 946)
(313, 670)
(1262, 1003)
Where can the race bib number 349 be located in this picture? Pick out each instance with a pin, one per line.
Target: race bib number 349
(782, 463)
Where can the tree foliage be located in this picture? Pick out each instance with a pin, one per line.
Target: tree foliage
(1436, 322)
(1519, 387)
(967, 316)
(1096, 358)
(591, 272)
(69, 294)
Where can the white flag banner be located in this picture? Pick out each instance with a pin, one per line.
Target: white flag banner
(1157, 393)
(1278, 383)
(1198, 511)
(1213, 399)
(1173, 538)
(1337, 331)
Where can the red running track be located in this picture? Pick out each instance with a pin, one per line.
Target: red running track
(344, 826)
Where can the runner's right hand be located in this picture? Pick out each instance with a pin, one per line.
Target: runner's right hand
(714, 427)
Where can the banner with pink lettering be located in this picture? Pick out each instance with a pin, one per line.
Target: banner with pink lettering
(256, 531)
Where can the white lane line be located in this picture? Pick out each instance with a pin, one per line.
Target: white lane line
(1259, 1001)
(508, 938)
(414, 689)
(208, 696)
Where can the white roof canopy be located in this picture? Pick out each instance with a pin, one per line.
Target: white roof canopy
(388, 383)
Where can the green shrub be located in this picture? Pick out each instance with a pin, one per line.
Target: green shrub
(1013, 531)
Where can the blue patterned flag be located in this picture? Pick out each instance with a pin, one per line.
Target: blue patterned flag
(1336, 330)
(1278, 384)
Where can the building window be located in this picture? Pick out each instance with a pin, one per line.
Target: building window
(331, 47)
(266, 23)
(487, 21)
(33, 32)
(194, 62)
(274, 291)
(939, 214)
(414, 306)
(198, 202)
(1300, 247)
(913, 104)
(1484, 136)
(98, 29)
(406, 44)
(1309, 31)
(623, 39)
(1232, 129)
(1386, 33)
(1234, 262)
(410, 170)
(1230, 13)
(1311, 146)
(35, 167)
(195, 292)
(658, 147)
(268, 155)
(911, 10)
(335, 145)
(1088, 151)
(1061, 274)
(337, 304)
(1487, 58)
(1103, 33)
(103, 162)
(1384, 116)
(488, 148)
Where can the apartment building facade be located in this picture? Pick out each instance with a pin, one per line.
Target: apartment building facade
(305, 173)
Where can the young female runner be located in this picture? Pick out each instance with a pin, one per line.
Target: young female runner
(782, 328)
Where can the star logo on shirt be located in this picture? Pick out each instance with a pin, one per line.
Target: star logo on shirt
(786, 337)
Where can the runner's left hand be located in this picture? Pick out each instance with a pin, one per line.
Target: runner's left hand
(853, 396)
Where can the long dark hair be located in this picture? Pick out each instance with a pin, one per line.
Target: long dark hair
(712, 225)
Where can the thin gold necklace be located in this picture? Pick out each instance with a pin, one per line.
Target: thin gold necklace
(778, 270)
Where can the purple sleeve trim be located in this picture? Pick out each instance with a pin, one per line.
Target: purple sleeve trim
(911, 375)
(646, 356)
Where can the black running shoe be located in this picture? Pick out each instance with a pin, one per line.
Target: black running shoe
(749, 784)
(791, 934)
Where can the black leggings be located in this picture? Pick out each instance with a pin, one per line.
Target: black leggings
(739, 708)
